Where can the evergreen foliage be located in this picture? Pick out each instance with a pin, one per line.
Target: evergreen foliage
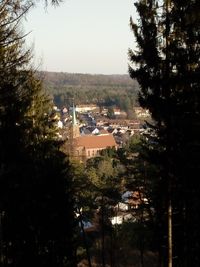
(102, 90)
(36, 203)
(167, 69)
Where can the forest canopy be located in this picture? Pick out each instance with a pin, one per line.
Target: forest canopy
(87, 88)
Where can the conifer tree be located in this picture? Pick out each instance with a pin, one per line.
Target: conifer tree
(36, 203)
(167, 69)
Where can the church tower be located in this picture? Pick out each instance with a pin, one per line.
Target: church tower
(75, 127)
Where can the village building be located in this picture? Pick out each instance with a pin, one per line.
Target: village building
(86, 108)
(88, 130)
(85, 146)
(126, 209)
(141, 113)
(89, 146)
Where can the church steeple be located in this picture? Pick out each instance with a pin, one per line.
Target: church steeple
(75, 126)
(74, 121)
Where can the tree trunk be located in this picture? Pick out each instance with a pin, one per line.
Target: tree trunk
(169, 234)
(84, 239)
(102, 233)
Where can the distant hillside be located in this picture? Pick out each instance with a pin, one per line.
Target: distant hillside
(88, 88)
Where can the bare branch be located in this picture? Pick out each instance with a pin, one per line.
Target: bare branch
(18, 17)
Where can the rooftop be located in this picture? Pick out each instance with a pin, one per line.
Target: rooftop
(96, 141)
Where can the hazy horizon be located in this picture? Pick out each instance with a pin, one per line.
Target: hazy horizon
(86, 73)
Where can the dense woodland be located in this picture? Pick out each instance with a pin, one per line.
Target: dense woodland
(103, 90)
(168, 69)
(45, 198)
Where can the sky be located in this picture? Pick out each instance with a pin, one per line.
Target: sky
(81, 36)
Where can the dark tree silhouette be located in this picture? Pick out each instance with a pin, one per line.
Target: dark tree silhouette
(167, 69)
(36, 198)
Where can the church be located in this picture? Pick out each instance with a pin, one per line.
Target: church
(88, 146)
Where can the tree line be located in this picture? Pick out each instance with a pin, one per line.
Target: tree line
(102, 90)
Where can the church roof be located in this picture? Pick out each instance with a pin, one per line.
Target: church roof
(95, 141)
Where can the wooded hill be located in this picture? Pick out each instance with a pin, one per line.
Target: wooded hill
(87, 88)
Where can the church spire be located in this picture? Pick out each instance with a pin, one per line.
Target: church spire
(74, 126)
(74, 121)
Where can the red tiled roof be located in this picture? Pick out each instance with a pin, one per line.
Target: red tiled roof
(95, 141)
(103, 131)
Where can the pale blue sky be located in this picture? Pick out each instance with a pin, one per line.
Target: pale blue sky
(82, 36)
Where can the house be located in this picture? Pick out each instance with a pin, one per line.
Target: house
(122, 217)
(92, 130)
(124, 211)
(117, 111)
(86, 108)
(141, 113)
